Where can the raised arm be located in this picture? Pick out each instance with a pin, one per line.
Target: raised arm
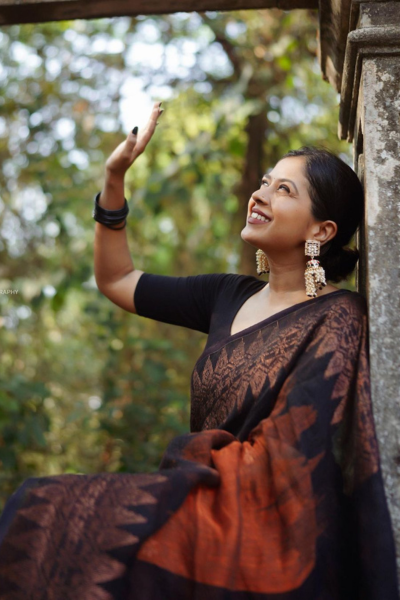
(115, 273)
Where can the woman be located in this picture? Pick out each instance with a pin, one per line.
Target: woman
(277, 492)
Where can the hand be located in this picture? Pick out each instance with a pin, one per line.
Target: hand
(128, 151)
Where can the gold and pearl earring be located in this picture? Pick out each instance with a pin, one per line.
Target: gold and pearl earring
(262, 262)
(314, 274)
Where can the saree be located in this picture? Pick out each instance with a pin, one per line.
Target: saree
(275, 494)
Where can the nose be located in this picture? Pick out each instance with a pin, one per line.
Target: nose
(260, 195)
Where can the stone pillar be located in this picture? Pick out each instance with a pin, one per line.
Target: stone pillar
(370, 117)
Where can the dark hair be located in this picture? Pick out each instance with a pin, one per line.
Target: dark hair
(336, 195)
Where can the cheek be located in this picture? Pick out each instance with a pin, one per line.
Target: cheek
(292, 217)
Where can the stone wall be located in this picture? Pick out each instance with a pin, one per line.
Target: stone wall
(370, 117)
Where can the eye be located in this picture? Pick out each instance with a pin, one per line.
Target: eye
(285, 187)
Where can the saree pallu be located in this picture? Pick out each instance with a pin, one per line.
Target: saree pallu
(276, 494)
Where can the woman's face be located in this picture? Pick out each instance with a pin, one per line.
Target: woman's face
(285, 204)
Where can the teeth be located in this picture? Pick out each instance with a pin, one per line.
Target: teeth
(255, 215)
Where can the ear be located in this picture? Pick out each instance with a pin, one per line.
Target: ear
(325, 231)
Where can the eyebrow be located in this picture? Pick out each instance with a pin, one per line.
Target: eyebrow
(284, 179)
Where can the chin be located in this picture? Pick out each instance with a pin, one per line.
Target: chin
(248, 236)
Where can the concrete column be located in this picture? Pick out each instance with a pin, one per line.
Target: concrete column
(370, 117)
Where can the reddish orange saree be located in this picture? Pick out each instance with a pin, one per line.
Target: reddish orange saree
(276, 494)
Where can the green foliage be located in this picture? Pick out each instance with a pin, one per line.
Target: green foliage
(84, 386)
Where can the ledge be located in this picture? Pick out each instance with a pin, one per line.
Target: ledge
(37, 11)
(361, 43)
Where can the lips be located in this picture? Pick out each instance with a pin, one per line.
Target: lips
(260, 212)
(257, 217)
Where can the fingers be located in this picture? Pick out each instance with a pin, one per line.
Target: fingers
(155, 113)
(135, 142)
(145, 136)
(159, 114)
(152, 122)
(132, 137)
(160, 111)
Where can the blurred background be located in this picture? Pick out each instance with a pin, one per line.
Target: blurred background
(85, 386)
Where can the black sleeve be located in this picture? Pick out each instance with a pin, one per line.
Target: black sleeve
(184, 301)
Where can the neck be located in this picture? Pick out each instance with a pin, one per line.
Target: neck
(286, 280)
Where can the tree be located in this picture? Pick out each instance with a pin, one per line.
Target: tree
(83, 385)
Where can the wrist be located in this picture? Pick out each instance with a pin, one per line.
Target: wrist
(113, 218)
(114, 179)
(112, 197)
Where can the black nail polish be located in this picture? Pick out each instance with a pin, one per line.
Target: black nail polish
(135, 130)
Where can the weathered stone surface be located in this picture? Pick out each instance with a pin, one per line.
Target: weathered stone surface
(369, 115)
(362, 43)
(34, 11)
(339, 17)
(334, 24)
(378, 131)
(379, 14)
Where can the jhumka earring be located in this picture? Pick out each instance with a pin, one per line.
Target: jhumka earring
(262, 262)
(314, 274)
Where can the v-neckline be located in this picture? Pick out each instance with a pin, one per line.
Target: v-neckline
(275, 316)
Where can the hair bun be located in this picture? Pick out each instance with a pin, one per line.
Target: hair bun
(339, 263)
(336, 195)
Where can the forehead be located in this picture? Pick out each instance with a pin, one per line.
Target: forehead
(291, 167)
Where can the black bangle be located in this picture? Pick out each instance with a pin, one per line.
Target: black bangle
(111, 225)
(104, 211)
(110, 218)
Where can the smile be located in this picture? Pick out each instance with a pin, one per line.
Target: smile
(257, 218)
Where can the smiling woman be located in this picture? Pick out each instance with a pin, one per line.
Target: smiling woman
(325, 205)
(276, 493)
